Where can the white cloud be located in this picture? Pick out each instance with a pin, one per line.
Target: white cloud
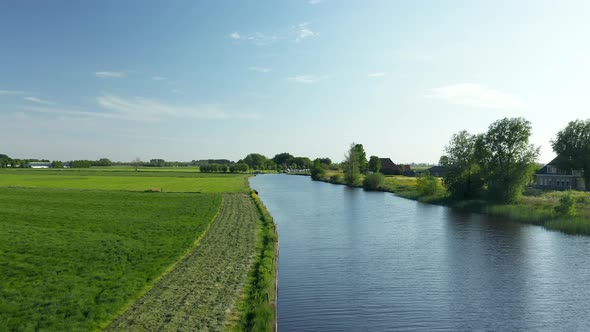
(307, 79)
(257, 38)
(39, 101)
(314, 2)
(159, 78)
(304, 31)
(110, 74)
(260, 69)
(10, 92)
(375, 75)
(471, 94)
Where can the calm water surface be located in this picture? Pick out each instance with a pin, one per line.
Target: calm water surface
(364, 261)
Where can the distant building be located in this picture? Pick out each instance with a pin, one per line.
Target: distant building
(551, 177)
(37, 164)
(388, 167)
(437, 171)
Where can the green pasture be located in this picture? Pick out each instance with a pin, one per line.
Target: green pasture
(70, 259)
(124, 180)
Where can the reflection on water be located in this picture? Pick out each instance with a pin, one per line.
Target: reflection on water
(352, 260)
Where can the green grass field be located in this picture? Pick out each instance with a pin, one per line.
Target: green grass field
(124, 180)
(70, 259)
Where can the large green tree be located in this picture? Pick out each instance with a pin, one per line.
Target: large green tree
(362, 158)
(463, 177)
(374, 164)
(255, 161)
(283, 159)
(507, 158)
(572, 146)
(5, 161)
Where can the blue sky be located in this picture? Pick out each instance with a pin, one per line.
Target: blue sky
(184, 80)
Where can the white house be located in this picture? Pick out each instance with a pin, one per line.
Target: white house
(551, 177)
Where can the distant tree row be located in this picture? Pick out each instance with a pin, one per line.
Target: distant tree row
(7, 162)
(280, 162)
(210, 161)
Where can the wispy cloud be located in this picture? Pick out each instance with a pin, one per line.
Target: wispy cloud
(71, 112)
(159, 78)
(260, 69)
(257, 38)
(297, 33)
(471, 94)
(10, 92)
(375, 75)
(110, 74)
(307, 79)
(140, 109)
(39, 101)
(303, 31)
(314, 2)
(144, 109)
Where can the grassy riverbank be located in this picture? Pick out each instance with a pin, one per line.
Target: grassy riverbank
(79, 248)
(257, 308)
(535, 207)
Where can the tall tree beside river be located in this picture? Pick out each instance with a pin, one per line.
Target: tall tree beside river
(501, 161)
(463, 174)
(507, 158)
(351, 164)
(572, 146)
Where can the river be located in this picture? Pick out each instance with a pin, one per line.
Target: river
(352, 260)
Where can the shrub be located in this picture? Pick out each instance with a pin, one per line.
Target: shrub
(428, 185)
(567, 205)
(317, 173)
(336, 178)
(373, 181)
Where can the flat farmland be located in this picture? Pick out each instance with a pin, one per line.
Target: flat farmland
(70, 259)
(125, 180)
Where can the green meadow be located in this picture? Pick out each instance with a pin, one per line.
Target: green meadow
(70, 259)
(85, 250)
(166, 181)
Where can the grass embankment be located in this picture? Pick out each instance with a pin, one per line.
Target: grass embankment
(201, 289)
(535, 207)
(70, 259)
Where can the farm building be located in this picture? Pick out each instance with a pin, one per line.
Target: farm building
(388, 167)
(36, 164)
(437, 171)
(552, 177)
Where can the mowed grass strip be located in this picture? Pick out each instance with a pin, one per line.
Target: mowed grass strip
(201, 290)
(167, 182)
(70, 259)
